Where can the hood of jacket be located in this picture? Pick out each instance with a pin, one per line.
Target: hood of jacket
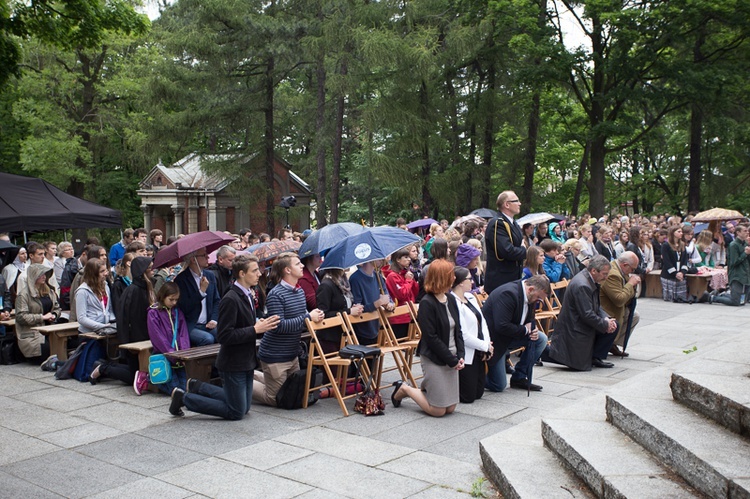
(33, 273)
(139, 266)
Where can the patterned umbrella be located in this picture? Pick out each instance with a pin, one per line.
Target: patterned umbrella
(367, 246)
(178, 250)
(269, 251)
(717, 214)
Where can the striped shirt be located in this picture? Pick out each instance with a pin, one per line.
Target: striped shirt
(282, 344)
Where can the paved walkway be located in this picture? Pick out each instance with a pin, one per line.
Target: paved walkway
(71, 439)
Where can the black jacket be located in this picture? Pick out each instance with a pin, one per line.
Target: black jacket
(236, 332)
(502, 311)
(433, 321)
(672, 262)
(505, 254)
(604, 250)
(223, 278)
(330, 299)
(132, 311)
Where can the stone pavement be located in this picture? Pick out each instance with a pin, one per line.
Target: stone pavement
(71, 439)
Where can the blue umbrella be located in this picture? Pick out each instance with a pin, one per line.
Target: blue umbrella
(327, 237)
(367, 246)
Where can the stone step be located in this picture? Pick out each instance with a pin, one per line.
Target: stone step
(711, 458)
(519, 465)
(725, 399)
(610, 463)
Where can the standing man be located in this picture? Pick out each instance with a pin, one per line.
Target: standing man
(279, 348)
(118, 249)
(584, 333)
(505, 253)
(199, 299)
(236, 332)
(617, 294)
(738, 269)
(509, 312)
(222, 268)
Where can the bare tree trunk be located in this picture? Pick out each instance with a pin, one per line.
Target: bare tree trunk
(581, 177)
(338, 139)
(320, 156)
(269, 149)
(428, 203)
(489, 139)
(530, 158)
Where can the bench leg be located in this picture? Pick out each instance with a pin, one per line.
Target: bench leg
(58, 345)
(199, 369)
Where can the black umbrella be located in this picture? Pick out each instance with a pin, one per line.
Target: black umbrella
(484, 213)
(629, 328)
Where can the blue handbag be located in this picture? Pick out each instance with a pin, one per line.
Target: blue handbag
(159, 367)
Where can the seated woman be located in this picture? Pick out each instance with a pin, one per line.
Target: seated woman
(674, 267)
(467, 256)
(476, 337)
(132, 317)
(441, 347)
(168, 332)
(533, 264)
(402, 288)
(554, 261)
(36, 305)
(572, 251)
(64, 253)
(704, 245)
(622, 243)
(334, 296)
(556, 233)
(17, 265)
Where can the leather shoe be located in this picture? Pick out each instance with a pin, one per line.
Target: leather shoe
(396, 387)
(601, 363)
(615, 350)
(523, 384)
(175, 407)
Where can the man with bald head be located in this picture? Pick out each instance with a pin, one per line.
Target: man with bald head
(503, 237)
(617, 293)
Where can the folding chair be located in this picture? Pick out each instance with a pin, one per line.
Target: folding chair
(327, 360)
(481, 298)
(387, 344)
(410, 342)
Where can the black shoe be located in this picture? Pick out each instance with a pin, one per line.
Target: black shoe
(193, 385)
(705, 297)
(601, 363)
(175, 408)
(96, 368)
(615, 350)
(396, 388)
(523, 384)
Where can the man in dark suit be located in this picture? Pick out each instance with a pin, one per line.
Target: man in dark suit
(505, 253)
(236, 332)
(199, 299)
(584, 333)
(509, 312)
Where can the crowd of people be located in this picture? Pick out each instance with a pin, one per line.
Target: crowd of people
(465, 341)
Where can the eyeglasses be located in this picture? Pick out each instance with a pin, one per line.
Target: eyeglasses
(514, 201)
(201, 256)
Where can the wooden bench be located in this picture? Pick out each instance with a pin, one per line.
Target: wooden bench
(652, 282)
(143, 350)
(58, 337)
(198, 361)
(697, 284)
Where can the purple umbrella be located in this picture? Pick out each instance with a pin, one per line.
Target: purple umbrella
(178, 250)
(270, 250)
(421, 223)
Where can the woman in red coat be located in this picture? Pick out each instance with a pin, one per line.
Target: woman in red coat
(403, 288)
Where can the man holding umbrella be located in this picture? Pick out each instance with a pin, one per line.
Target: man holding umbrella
(199, 298)
(505, 253)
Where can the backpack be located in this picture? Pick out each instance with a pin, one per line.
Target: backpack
(293, 390)
(65, 369)
(91, 352)
(9, 353)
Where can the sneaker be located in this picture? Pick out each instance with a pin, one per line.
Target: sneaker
(193, 385)
(50, 364)
(175, 407)
(140, 383)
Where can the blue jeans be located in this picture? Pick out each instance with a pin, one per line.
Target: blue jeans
(496, 379)
(736, 291)
(179, 380)
(230, 402)
(200, 336)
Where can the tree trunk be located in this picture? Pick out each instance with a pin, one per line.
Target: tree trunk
(338, 140)
(428, 203)
(596, 119)
(269, 150)
(581, 176)
(320, 156)
(696, 137)
(530, 156)
(489, 137)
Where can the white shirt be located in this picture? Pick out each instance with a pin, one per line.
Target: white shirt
(203, 317)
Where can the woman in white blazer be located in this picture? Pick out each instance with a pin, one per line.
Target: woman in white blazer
(476, 337)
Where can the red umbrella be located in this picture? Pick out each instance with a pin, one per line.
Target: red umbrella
(178, 250)
(269, 251)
